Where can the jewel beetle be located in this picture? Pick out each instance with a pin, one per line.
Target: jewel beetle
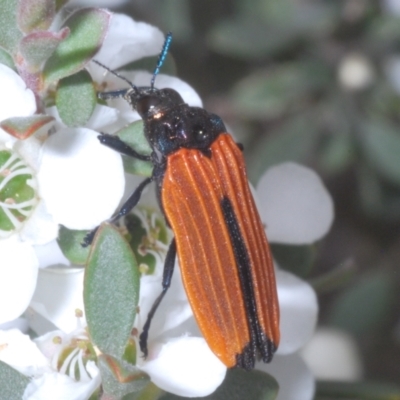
(219, 239)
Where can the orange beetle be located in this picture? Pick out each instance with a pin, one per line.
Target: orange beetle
(203, 191)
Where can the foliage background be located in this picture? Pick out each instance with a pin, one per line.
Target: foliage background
(270, 69)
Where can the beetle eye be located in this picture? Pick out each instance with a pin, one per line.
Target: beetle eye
(146, 103)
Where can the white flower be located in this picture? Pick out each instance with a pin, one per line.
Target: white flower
(297, 209)
(179, 359)
(333, 354)
(18, 262)
(355, 72)
(52, 372)
(392, 6)
(294, 204)
(68, 172)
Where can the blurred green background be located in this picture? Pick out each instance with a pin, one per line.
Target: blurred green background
(317, 82)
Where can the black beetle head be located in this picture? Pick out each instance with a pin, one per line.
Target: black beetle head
(153, 103)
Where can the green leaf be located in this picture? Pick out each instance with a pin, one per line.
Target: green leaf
(10, 35)
(23, 127)
(133, 135)
(35, 15)
(76, 99)
(263, 28)
(111, 291)
(378, 199)
(239, 385)
(296, 259)
(299, 19)
(88, 28)
(272, 92)
(37, 47)
(293, 140)
(365, 306)
(337, 153)
(60, 3)
(150, 392)
(381, 146)
(120, 378)
(338, 277)
(331, 390)
(12, 383)
(245, 38)
(6, 59)
(70, 242)
(17, 193)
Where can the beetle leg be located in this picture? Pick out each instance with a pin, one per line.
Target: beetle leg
(125, 209)
(166, 282)
(115, 143)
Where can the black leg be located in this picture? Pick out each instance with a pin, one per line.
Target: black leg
(115, 143)
(166, 282)
(126, 207)
(132, 201)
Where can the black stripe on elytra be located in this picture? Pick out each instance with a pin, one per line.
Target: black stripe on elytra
(258, 339)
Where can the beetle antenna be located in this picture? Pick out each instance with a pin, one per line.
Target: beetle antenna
(161, 57)
(117, 75)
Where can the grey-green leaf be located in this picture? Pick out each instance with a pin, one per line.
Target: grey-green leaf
(10, 35)
(23, 127)
(381, 146)
(296, 259)
(35, 14)
(239, 385)
(327, 390)
(76, 98)
(294, 140)
(133, 135)
(365, 306)
(6, 59)
(88, 28)
(272, 92)
(12, 383)
(120, 378)
(111, 291)
(246, 38)
(70, 242)
(37, 47)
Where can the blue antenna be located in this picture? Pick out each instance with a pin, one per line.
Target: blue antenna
(161, 57)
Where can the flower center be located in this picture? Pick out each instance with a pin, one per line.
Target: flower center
(17, 192)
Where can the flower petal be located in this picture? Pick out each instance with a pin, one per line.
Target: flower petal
(102, 118)
(58, 294)
(53, 385)
(40, 228)
(299, 310)
(295, 204)
(295, 379)
(173, 310)
(20, 323)
(18, 273)
(80, 180)
(185, 366)
(128, 40)
(21, 353)
(333, 354)
(50, 254)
